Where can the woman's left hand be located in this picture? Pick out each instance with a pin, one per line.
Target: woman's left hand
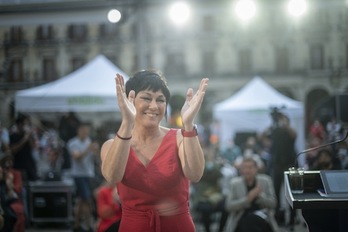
(193, 103)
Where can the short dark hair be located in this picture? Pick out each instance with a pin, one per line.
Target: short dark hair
(152, 80)
(148, 80)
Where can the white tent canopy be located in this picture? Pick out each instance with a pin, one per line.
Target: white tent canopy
(91, 88)
(249, 109)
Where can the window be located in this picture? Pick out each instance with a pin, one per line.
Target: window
(208, 23)
(282, 59)
(245, 64)
(149, 60)
(16, 34)
(346, 56)
(317, 57)
(77, 62)
(108, 31)
(135, 63)
(48, 69)
(208, 62)
(16, 71)
(44, 32)
(77, 33)
(175, 64)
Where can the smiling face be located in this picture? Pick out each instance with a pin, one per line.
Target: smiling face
(149, 85)
(151, 107)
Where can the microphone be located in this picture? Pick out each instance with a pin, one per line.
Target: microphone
(318, 147)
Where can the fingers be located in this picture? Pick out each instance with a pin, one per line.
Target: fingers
(131, 96)
(120, 88)
(119, 80)
(203, 86)
(189, 94)
(201, 90)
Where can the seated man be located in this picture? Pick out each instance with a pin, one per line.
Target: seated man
(250, 200)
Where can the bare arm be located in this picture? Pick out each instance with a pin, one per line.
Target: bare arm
(115, 152)
(114, 156)
(191, 157)
(190, 151)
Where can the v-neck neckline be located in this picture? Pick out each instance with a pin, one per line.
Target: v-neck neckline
(153, 157)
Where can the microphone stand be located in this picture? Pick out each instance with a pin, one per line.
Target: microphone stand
(318, 147)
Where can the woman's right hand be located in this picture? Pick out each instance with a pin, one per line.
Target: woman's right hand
(125, 102)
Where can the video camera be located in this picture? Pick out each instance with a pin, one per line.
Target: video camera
(276, 114)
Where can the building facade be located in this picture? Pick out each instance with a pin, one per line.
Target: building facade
(305, 59)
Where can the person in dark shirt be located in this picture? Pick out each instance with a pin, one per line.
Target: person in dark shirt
(68, 125)
(22, 142)
(283, 154)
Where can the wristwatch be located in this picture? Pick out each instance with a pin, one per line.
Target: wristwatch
(192, 133)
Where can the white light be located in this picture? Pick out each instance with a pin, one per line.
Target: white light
(179, 12)
(297, 7)
(245, 9)
(114, 16)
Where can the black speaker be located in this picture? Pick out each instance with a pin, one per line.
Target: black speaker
(50, 202)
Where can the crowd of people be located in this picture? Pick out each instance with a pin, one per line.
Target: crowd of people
(272, 152)
(150, 176)
(45, 152)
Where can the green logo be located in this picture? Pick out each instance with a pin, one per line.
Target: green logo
(85, 100)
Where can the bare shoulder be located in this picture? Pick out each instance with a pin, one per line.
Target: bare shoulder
(164, 130)
(107, 143)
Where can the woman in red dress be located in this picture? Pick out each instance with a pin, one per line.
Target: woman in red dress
(153, 165)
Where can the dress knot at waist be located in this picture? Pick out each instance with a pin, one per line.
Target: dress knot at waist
(151, 214)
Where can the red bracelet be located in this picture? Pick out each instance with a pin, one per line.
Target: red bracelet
(192, 133)
(123, 138)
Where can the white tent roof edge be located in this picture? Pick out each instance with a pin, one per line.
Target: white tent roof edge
(248, 110)
(91, 88)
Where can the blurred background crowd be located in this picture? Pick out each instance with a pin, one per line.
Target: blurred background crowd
(40, 152)
(70, 48)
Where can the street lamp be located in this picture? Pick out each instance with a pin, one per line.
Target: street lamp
(179, 12)
(297, 8)
(114, 16)
(245, 9)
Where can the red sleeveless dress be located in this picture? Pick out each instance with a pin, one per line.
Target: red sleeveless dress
(144, 189)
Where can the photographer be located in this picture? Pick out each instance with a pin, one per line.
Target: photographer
(283, 154)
